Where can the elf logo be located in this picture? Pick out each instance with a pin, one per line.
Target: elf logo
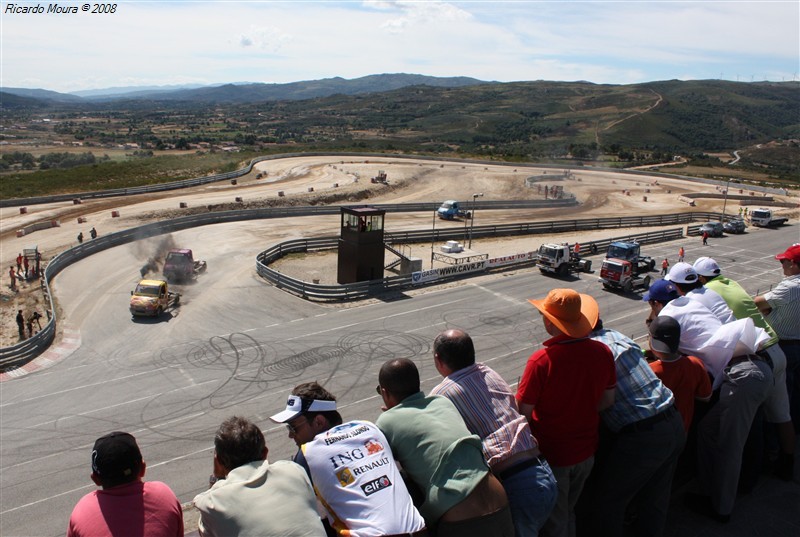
(375, 485)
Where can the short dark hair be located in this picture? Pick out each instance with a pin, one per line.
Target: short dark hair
(238, 442)
(455, 349)
(315, 391)
(686, 287)
(399, 377)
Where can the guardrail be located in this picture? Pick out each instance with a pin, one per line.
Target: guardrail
(344, 292)
(197, 181)
(34, 346)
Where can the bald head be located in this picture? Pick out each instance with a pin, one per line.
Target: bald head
(454, 349)
(399, 377)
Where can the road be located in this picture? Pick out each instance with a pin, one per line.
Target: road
(237, 345)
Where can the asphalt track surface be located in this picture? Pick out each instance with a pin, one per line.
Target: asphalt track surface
(237, 345)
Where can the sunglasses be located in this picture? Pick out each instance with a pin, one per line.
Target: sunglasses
(378, 389)
(294, 428)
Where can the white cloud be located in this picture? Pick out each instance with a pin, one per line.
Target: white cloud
(215, 41)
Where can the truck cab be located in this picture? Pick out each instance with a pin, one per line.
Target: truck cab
(451, 209)
(180, 265)
(618, 273)
(630, 252)
(765, 218)
(151, 298)
(559, 259)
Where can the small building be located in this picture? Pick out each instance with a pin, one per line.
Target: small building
(361, 250)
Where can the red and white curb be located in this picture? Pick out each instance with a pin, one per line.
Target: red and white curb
(70, 342)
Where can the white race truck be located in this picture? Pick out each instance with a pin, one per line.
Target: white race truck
(559, 259)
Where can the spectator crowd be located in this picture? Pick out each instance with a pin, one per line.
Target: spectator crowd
(589, 444)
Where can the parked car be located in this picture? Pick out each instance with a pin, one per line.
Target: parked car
(714, 229)
(734, 226)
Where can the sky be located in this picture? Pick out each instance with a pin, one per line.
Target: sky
(159, 43)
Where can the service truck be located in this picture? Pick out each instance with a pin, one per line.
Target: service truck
(151, 298)
(560, 259)
(451, 209)
(766, 218)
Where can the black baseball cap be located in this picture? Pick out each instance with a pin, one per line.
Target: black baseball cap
(665, 334)
(116, 456)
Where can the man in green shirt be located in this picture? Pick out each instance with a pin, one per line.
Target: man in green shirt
(430, 440)
(777, 405)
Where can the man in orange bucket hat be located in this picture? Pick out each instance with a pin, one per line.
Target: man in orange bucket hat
(564, 387)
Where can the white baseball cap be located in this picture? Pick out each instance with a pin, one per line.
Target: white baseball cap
(682, 273)
(705, 266)
(297, 405)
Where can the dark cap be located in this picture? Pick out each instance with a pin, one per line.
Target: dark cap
(665, 334)
(116, 457)
(662, 291)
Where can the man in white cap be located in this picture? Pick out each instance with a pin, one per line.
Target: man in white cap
(744, 380)
(352, 468)
(688, 284)
(564, 387)
(777, 406)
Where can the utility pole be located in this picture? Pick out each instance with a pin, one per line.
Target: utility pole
(472, 222)
(725, 203)
(433, 234)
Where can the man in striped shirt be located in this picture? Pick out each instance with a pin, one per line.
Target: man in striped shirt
(781, 307)
(489, 409)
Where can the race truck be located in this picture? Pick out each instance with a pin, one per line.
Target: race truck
(765, 218)
(617, 274)
(180, 265)
(151, 298)
(630, 251)
(559, 259)
(450, 209)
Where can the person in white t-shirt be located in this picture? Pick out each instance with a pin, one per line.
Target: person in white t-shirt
(353, 471)
(744, 380)
(688, 284)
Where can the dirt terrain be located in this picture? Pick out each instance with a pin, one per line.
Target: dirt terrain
(331, 180)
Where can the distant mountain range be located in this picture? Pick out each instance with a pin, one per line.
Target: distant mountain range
(246, 92)
(525, 120)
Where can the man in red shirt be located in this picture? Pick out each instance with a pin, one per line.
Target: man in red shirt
(685, 375)
(563, 388)
(125, 505)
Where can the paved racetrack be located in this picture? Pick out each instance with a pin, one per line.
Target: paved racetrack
(237, 345)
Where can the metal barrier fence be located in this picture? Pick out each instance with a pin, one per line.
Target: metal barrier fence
(197, 181)
(359, 290)
(34, 346)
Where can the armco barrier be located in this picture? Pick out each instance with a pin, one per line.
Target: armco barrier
(197, 181)
(32, 347)
(344, 292)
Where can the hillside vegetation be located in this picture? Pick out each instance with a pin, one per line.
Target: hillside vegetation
(560, 122)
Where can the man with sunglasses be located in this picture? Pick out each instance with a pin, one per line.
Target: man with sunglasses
(351, 466)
